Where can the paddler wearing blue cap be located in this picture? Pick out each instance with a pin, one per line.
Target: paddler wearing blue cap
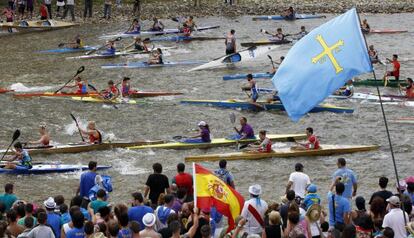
(202, 137)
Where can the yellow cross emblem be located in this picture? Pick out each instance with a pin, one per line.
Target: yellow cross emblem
(328, 51)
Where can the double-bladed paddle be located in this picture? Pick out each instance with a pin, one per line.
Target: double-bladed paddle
(100, 48)
(15, 136)
(271, 60)
(80, 70)
(77, 125)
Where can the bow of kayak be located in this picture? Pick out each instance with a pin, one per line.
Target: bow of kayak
(50, 168)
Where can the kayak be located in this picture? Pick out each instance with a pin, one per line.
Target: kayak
(265, 42)
(5, 90)
(392, 83)
(149, 32)
(67, 50)
(245, 105)
(83, 147)
(219, 142)
(187, 38)
(249, 54)
(114, 101)
(135, 94)
(108, 56)
(244, 76)
(297, 17)
(386, 31)
(135, 65)
(49, 168)
(367, 96)
(42, 24)
(403, 120)
(325, 150)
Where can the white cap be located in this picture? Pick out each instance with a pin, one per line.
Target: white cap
(255, 190)
(202, 123)
(148, 219)
(50, 203)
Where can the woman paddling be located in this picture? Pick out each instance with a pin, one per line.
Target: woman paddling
(156, 57)
(135, 27)
(202, 137)
(44, 137)
(95, 136)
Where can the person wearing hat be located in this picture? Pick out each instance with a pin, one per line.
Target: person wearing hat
(44, 137)
(254, 211)
(149, 221)
(315, 218)
(394, 218)
(53, 219)
(298, 181)
(202, 137)
(311, 197)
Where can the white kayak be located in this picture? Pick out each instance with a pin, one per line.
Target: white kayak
(117, 54)
(249, 54)
(366, 96)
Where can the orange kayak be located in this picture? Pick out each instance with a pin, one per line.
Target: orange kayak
(137, 94)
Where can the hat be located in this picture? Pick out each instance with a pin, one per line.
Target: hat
(314, 212)
(312, 188)
(50, 203)
(255, 189)
(410, 227)
(148, 219)
(202, 123)
(394, 200)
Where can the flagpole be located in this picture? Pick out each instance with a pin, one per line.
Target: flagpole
(386, 128)
(194, 186)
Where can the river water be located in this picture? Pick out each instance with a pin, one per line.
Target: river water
(162, 118)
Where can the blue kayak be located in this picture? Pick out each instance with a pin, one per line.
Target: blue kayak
(136, 65)
(68, 50)
(244, 76)
(49, 168)
(298, 17)
(245, 105)
(187, 38)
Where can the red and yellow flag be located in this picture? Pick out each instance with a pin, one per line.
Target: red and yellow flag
(211, 191)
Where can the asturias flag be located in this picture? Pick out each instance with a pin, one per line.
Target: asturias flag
(320, 63)
(211, 191)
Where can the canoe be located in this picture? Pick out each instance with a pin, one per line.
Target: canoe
(265, 42)
(99, 100)
(219, 142)
(249, 54)
(117, 54)
(325, 150)
(84, 147)
(136, 65)
(50, 168)
(298, 17)
(402, 120)
(42, 24)
(372, 82)
(367, 96)
(244, 76)
(387, 31)
(186, 38)
(245, 105)
(136, 94)
(5, 90)
(149, 32)
(67, 50)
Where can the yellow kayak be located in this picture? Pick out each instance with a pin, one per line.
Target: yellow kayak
(217, 142)
(284, 153)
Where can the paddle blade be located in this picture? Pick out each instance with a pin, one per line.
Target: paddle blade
(232, 118)
(16, 134)
(175, 19)
(270, 57)
(61, 45)
(177, 137)
(73, 117)
(290, 139)
(80, 70)
(92, 87)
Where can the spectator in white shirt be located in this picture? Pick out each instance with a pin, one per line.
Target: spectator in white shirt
(255, 214)
(298, 181)
(394, 218)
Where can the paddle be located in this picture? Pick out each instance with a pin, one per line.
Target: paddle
(80, 70)
(62, 44)
(15, 136)
(266, 32)
(77, 125)
(271, 60)
(100, 48)
(178, 138)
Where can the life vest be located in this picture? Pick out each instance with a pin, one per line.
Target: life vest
(95, 140)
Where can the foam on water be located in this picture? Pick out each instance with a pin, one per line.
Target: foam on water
(19, 87)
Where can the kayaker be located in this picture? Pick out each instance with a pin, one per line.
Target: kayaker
(395, 70)
(44, 137)
(95, 136)
(126, 87)
(264, 145)
(348, 91)
(409, 89)
(230, 43)
(312, 144)
(156, 57)
(373, 54)
(278, 36)
(82, 86)
(289, 14)
(110, 48)
(139, 45)
(110, 93)
(190, 23)
(186, 30)
(157, 25)
(245, 132)
(22, 156)
(135, 27)
(203, 136)
(303, 32)
(365, 28)
(254, 95)
(273, 70)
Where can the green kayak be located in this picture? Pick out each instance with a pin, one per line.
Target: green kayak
(372, 82)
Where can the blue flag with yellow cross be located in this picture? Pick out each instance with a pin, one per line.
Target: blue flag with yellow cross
(320, 63)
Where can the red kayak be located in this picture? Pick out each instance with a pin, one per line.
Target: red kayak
(387, 31)
(5, 90)
(137, 94)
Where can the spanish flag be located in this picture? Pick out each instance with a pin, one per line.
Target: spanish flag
(211, 191)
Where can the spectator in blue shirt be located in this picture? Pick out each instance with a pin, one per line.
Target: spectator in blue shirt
(53, 219)
(347, 177)
(339, 208)
(138, 209)
(8, 198)
(311, 197)
(87, 181)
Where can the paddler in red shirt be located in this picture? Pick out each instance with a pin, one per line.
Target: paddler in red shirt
(186, 30)
(264, 145)
(111, 93)
(395, 70)
(312, 144)
(126, 87)
(409, 89)
(95, 137)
